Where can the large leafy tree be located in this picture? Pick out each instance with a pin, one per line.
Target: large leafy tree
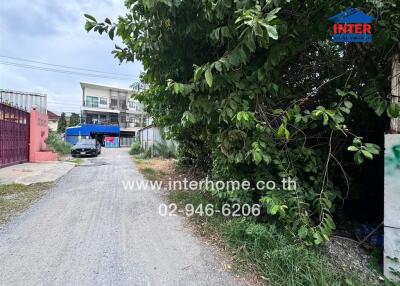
(256, 90)
(62, 123)
(74, 119)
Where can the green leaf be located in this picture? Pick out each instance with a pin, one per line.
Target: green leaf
(380, 108)
(345, 109)
(287, 134)
(393, 111)
(89, 26)
(90, 17)
(272, 32)
(257, 156)
(277, 111)
(352, 148)
(317, 238)
(325, 120)
(197, 73)
(340, 92)
(358, 158)
(209, 77)
(218, 66)
(281, 131)
(372, 148)
(111, 33)
(348, 104)
(367, 154)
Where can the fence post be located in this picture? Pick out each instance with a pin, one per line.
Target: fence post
(395, 123)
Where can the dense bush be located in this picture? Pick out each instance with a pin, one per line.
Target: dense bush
(256, 90)
(135, 148)
(56, 144)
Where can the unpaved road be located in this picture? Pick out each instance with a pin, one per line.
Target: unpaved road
(88, 230)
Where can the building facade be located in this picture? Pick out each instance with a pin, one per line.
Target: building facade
(106, 105)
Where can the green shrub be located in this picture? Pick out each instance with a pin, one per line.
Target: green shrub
(56, 144)
(165, 149)
(135, 148)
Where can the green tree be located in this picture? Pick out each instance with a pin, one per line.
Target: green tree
(256, 90)
(74, 120)
(62, 123)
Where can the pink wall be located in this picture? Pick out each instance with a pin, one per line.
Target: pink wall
(38, 134)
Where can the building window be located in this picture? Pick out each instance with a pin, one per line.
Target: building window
(123, 104)
(103, 101)
(92, 101)
(114, 101)
(114, 118)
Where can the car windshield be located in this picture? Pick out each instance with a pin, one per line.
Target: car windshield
(87, 142)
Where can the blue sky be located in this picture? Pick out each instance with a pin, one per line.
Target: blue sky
(52, 31)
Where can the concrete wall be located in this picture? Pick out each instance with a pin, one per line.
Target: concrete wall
(37, 135)
(392, 207)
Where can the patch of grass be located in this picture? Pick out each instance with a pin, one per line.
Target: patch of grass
(265, 248)
(77, 161)
(15, 198)
(149, 173)
(150, 168)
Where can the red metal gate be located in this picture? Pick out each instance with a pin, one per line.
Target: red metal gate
(14, 135)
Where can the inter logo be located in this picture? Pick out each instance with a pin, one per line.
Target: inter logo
(352, 26)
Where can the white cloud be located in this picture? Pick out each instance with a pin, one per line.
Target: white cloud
(53, 32)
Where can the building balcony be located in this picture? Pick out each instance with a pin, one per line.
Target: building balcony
(100, 109)
(99, 121)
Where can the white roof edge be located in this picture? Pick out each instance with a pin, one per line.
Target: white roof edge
(103, 86)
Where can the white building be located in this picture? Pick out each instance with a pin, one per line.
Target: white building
(107, 105)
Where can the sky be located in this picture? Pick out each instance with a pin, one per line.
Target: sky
(52, 31)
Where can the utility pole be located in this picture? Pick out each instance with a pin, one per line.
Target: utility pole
(391, 254)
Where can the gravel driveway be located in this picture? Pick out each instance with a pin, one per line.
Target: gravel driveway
(89, 231)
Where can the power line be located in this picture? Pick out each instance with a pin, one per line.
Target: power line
(63, 66)
(60, 71)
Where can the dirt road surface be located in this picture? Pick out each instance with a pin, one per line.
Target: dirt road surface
(88, 230)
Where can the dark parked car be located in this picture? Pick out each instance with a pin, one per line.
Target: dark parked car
(86, 147)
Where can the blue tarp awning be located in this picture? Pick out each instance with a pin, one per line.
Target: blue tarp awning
(89, 129)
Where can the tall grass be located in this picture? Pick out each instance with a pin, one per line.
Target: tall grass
(56, 144)
(268, 249)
